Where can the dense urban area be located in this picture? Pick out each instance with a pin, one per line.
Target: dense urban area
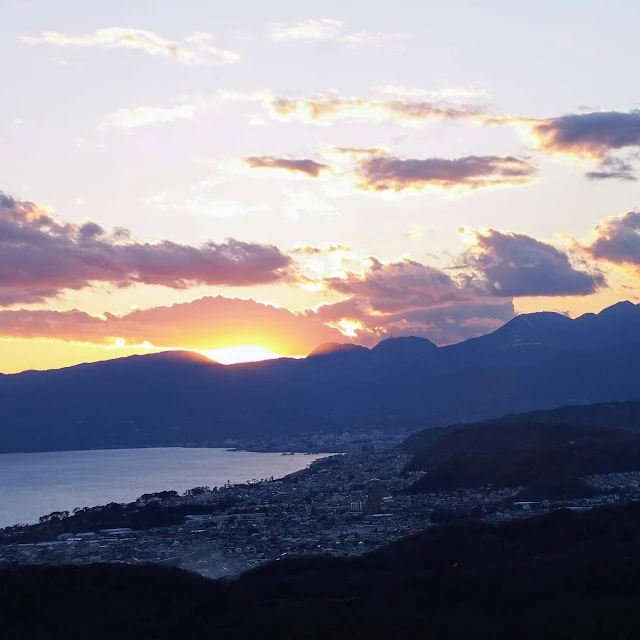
(346, 504)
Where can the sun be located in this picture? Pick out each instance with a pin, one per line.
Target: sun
(241, 353)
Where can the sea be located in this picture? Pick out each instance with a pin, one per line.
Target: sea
(36, 484)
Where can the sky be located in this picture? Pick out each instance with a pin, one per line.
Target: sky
(247, 179)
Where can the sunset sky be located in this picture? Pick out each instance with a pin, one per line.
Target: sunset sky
(246, 179)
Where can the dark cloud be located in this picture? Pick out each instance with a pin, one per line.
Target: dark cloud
(448, 324)
(387, 173)
(206, 323)
(618, 239)
(589, 134)
(512, 264)
(306, 166)
(613, 169)
(408, 298)
(400, 286)
(473, 298)
(40, 257)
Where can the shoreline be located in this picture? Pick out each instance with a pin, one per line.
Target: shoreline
(239, 449)
(170, 493)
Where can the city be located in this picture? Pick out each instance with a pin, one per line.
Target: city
(343, 505)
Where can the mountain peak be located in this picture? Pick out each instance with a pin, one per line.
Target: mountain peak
(404, 347)
(539, 319)
(618, 309)
(332, 348)
(405, 340)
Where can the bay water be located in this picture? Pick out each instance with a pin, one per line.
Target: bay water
(35, 484)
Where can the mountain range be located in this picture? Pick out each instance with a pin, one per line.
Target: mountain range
(535, 361)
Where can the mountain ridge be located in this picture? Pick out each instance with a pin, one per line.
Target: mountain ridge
(177, 398)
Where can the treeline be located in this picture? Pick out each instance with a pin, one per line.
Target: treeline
(147, 513)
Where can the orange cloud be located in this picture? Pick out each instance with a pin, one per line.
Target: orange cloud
(204, 324)
(328, 108)
(197, 49)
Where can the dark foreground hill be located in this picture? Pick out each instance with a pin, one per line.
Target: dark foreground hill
(536, 361)
(550, 461)
(620, 415)
(563, 575)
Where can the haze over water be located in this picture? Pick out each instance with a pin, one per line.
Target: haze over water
(35, 484)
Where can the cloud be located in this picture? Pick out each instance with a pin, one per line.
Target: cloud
(471, 298)
(353, 154)
(444, 93)
(415, 232)
(304, 201)
(374, 171)
(445, 324)
(409, 298)
(306, 166)
(146, 116)
(41, 257)
(158, 200)
(327, 29)
(617, 239)
(388, 173)
(88, 144)
(613, 169)
(375, 39)
(197, 49)
(399, 286)
(591, 135)
(324, 109)
(327, 248)
(512, 264)
(307, 31)
(594, 136)
(223, 208)
(203, 324)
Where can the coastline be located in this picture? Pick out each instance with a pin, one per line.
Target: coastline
(265, 469)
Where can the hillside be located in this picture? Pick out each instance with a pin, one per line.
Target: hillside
(621, 415)
(508, 437)
(563, 575)
(536, 361)
(550, 461)
(552, 464)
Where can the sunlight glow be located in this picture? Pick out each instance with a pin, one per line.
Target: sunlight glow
(241, 353)
(349, 327)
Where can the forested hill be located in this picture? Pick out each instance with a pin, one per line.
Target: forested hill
(547, 460)
(608, 415)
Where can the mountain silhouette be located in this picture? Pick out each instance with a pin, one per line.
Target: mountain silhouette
(336, 348)
(535, 361)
